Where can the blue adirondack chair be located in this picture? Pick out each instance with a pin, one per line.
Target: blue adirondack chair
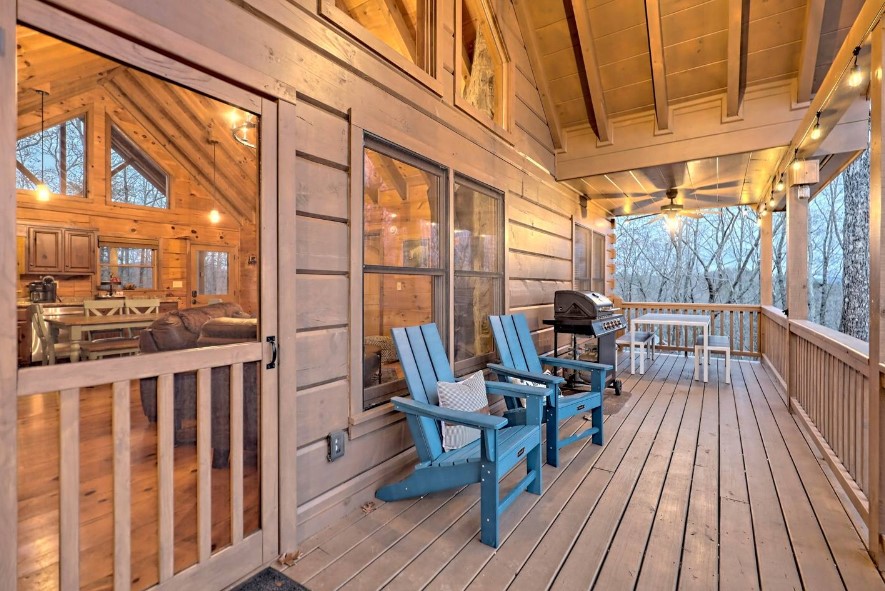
(486, 460)
(520, 360)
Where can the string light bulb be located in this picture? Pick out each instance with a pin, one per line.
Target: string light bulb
(816, 131)
(855, 77)
(771, 201)
(780, 184)
(42, 188)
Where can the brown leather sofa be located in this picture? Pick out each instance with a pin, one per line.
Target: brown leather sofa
(215, 324)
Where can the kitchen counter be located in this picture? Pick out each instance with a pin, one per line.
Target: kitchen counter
(26, 303)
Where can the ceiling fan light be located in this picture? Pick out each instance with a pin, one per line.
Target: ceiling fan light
(671, 220)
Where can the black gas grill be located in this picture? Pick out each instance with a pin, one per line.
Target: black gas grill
(592, 314)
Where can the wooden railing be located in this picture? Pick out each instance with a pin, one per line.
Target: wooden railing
(71, 381)
(774, 334)
(739, 322)
(826, 376)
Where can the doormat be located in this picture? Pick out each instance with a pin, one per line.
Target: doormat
(270, 579)
(611, 403)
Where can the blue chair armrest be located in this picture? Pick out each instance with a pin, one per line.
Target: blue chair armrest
(477, 420)
(575, 364)
(543, 378)
(517, 390)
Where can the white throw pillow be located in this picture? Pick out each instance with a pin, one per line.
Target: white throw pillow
(468, 395)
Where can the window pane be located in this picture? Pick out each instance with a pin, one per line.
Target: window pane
(475, 299)
(477, 223)
(482, 66)
(390, 301)
(133, 266)
(57, 157)
(213, 273)
(401, 202)
(135, 178)
(598, 262)
(582, 255)
(403, 25)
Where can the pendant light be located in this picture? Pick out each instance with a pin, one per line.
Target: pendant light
(855, 77)
(42, 189)
(214, 215)
(816, 131)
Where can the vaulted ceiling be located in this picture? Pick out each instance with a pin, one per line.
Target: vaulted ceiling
(636, 91)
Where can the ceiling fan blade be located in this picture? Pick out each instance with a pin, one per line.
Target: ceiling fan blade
(691, 214)
(635, 218)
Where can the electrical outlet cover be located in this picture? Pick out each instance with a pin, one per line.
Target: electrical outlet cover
(336, 445)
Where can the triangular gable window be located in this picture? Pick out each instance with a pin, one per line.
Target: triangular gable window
(135, 178)
(59, 157)
(481, 62)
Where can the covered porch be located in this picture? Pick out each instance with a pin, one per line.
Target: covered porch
(698, 486)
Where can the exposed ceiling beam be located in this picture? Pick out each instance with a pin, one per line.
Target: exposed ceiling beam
(527, 28)
(658, 72)
(814, 16)
(404, 31)
(591, 69)
(737, 77)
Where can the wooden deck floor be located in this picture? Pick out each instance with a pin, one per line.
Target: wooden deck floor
(697, 487)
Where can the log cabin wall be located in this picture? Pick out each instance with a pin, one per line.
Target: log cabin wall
(344, 90)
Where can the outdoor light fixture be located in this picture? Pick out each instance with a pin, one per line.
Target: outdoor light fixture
(855, 77)
(42, 189)
(780, 183)
(771, 201)
(240, 127)
(816, 131)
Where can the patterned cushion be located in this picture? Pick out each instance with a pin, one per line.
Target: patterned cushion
(388, 351)
(520, 382)
(468, 395)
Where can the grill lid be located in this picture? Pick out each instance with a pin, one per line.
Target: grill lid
(581, 305)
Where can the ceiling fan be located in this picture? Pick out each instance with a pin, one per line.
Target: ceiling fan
(671, 212)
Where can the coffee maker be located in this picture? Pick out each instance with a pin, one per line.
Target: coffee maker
(45, 290)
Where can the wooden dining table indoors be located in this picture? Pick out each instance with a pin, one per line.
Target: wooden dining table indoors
(80, 323)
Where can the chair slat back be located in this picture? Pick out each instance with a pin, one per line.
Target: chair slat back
(142, 305)
(424, 363)
(514, 342)
(103, 307)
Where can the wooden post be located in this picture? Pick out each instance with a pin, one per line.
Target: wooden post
(766, 262)
(877, 288)
(797, 255)
(8, 278)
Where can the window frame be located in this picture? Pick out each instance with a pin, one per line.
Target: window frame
(85, 114)
(352, 27)
(478, 361)
(366, 420)
(111, 126)
(597, 284)
(440, 274)
(505, 128)
(118, 242)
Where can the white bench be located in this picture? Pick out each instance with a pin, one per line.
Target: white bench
(645, 343)
(715, 343)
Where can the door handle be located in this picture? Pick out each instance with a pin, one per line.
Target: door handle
(273, 348)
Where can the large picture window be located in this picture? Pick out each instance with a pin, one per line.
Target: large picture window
(410, 233)
(58, 155)
(481, 62)
(135, 178)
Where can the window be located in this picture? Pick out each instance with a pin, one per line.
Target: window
(213, 274)
(406, 277)
(406, 26)
(59, 155)
(480, 70)
(589, 260)
(479, 269)
(404, 272)
(134, 264)
(135, 178)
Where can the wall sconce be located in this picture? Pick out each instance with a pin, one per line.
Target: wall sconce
(240, 126)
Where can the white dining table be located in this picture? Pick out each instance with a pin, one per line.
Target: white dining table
(691, 320)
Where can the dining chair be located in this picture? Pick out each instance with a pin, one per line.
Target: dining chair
(142, 305)
(51, 350)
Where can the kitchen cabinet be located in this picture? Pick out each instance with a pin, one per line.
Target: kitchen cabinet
(23, 326)
(61, 251)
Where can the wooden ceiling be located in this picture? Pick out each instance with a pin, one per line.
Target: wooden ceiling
(600, 64)
(183, 122)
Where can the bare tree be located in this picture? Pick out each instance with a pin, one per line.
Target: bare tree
(856, 259)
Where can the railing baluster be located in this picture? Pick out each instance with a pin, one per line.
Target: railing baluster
(236, 451)
(165, 475)
(69, 490)
(122, 487)
(204, 464)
